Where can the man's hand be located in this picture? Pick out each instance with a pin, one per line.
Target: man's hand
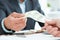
(15, 21)
(53, 27)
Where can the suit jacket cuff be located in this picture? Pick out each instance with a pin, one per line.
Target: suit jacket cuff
(5, 29)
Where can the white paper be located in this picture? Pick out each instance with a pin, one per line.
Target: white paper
(36, 16)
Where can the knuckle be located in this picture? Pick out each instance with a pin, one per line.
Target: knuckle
(14, 12)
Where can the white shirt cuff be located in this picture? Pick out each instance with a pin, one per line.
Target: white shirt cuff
(2, 23)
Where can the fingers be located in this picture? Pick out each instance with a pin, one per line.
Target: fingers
(15, 21)
(45, 26)
(52, 27)
(17, 15)
(51, 22)
(53, 31)
(19, 24)
(58, 34)
(49, 28)
(58, 23)
(20, 20)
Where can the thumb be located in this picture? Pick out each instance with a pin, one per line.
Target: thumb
(47, 22)
(43, 28)
(45, 25)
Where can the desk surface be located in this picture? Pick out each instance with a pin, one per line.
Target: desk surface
(39, 36)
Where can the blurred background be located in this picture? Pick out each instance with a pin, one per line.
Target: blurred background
(50, 4)
(51, 8)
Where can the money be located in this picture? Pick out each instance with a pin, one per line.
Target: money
(37, 16)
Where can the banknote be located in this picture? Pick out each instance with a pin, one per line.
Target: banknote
(35, 15)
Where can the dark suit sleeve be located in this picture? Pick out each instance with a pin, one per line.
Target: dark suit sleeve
(2, 16)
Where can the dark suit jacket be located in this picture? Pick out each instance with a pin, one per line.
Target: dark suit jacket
(9, 6)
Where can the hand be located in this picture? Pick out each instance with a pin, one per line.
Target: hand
(53, 27)
(15, 21)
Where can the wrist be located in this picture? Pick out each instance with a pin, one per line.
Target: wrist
(6, 25)
(6, 30)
